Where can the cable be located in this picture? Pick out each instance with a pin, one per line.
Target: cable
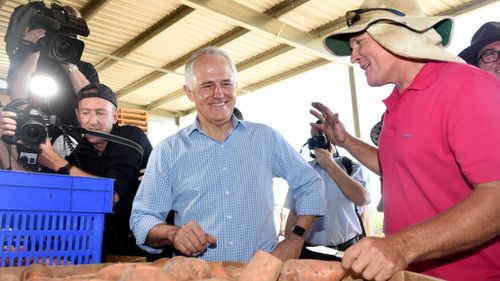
(109, 137)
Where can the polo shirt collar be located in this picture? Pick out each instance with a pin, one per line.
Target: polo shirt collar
(423, 80)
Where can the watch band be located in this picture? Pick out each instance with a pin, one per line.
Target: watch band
(65, 170)
(71, 68)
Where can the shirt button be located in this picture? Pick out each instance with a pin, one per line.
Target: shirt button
(230, 242)
(229, 217)
(224, 169)
(227, 192)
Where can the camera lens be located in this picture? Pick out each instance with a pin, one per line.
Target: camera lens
(33, 134)
(65, 49)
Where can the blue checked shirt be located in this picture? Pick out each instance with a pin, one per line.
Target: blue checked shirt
(225, 187)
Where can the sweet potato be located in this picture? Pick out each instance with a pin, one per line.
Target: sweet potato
(262, 267)
(35, 271)
(8, 277)
(188, 268)
(235, 271)
(213, 279)
(113, 272)
(311, 270)
(161, 262)
(217, 270)
(146, 273)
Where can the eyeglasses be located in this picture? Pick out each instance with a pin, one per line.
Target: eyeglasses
(489, 56)
(351, 17)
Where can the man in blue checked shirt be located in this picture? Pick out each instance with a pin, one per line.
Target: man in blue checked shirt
(217, 176)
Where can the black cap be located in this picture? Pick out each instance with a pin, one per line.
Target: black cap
(97, 90)
(485, 35)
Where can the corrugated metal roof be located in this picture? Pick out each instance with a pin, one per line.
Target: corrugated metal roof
(139, 47)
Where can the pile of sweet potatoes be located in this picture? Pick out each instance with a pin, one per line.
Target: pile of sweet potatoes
(262, 267)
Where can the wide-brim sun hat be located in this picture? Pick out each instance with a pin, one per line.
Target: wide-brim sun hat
(400, 27)
(485, 35)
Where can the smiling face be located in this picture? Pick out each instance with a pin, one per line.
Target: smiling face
(376, 61)
(489, 50)
(96, 114)
(213, 90)
(380, 65)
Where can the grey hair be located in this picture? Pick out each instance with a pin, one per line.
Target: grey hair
(188, 69)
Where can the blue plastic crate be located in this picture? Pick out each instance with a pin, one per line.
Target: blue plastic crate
(52, 219)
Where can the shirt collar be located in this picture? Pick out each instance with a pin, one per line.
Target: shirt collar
(197, 127)
(423, 80)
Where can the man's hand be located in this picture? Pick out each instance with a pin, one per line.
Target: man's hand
(34, 36)
(330, 124)
(376, 258)
(8, 125)
(323, 157)
(49, 157)
(141, 172)
(190, 239)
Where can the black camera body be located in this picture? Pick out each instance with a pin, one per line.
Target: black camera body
(319, 141)
(60, 42)
(32, 125)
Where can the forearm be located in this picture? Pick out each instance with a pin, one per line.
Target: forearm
(468, 224)
(303, 221)
(363, 152)
(19, 80)
(78, 80)
(9, 160)
(161, 235)
(352, 189)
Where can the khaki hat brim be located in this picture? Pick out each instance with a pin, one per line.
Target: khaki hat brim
(338, 41)
(404, 42)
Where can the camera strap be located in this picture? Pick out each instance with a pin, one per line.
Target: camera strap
(109, 137)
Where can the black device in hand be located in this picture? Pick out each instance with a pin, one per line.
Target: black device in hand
(32, 124)
(60, 42)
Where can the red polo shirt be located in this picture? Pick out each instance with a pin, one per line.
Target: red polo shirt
(440, 137)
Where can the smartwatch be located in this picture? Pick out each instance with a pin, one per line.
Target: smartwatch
(65, 170)
(298, 231)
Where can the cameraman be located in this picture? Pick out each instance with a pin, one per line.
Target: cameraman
(96, 157)
(345, 189)
(70, 78)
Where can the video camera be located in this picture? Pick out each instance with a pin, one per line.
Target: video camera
(62, 27)
(32, 130)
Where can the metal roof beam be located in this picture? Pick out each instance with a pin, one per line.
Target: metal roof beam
(264, 24)
(92, 8)
(161, 112)
(467, 7)
(147, 35)
(231, 35)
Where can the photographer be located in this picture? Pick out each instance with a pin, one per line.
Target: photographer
(96, 157)
(30, 58)
(345, 189)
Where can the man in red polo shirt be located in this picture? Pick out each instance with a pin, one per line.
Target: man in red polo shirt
(438, 153)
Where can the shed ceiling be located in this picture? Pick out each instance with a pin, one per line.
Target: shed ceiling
(139, 48)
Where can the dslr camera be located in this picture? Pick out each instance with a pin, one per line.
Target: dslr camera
(320, 141)
(60, 42)
(32, 130)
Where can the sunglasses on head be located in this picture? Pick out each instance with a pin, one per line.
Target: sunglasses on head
(353, 16)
